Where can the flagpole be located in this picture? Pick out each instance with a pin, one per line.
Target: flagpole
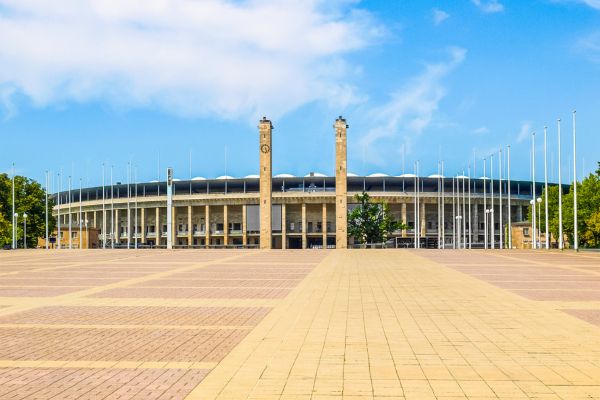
(533, 187)
(470, 223)
(500, 197)
(492, 227)
(453, 213)
(509, 200)
(12, 215)
(103, 208)
(443, 208)
(415, 207)
(80, 211)
(135, 207)
(561, 243)
(128, 205)
(59, 204)
(485, 210)
(464, 220)
(575, 228)
(418, 208)
(546, 184)
(112, 211)
(46, 207)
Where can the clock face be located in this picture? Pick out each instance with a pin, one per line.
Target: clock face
(265, 148)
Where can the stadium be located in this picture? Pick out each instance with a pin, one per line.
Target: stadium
(305, 211)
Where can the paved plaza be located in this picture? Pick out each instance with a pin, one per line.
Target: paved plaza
(312, 324)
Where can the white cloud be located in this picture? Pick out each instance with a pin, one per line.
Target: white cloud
(482, 130)
(590, 46)
(439, 16)
(489, 6)
(525, 132)
(210, 57)
(592, 3)
(410, 110)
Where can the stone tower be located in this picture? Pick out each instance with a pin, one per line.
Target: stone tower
(265, 128)
(341, 190)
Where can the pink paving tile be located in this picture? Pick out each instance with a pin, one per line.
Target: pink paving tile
(221, 316)
(591, 316)
(194, 293)
(71, 383)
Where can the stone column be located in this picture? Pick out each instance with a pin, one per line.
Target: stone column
(283, 227)
(95, 224)
(157, 227)
(304, 238)
(174, 225)
(207, 224)
(404, 220)
(341, 184)
(423, 223)
(225, 225)
(266, 182)
(324, 225)
(143, 224)
(116, 237)
(244, 227)
(189, 226)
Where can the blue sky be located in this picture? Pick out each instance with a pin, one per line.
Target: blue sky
(84, 82)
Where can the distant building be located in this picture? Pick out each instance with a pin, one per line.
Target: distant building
(90, 238)
(306, 211)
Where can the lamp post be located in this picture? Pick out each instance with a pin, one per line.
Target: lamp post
(80, 215)
(46, 198)
(485, 220)
(532, 202)
(24, 230)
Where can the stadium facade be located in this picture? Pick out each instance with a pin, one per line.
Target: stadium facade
(305, 212)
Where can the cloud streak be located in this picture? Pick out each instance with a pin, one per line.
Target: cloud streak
(410, 110)
(489, 6)
(439, 16)
(193, 58)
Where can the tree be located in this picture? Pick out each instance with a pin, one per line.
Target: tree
(30, 198)
(592, 234)
(371, 222)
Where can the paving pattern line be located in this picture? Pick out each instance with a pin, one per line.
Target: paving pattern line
(65, 298)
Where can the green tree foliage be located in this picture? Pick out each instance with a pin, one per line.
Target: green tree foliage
(30, 199)
(588, 211)
(371, 222)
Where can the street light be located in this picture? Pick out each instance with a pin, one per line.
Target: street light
(24, 230)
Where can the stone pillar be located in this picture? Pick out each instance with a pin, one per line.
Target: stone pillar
(324, 225)
(304, 238)
(404, 220)
(423, 222)
(519, 213)
(341, 191)
(95, 224)
(266, 187)
(116, 237)
(207, 224)
(225, 225)
(157, 227)
(143, 224)
(190, 231)
(174, 225)
(244, 227)
(283, 227)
